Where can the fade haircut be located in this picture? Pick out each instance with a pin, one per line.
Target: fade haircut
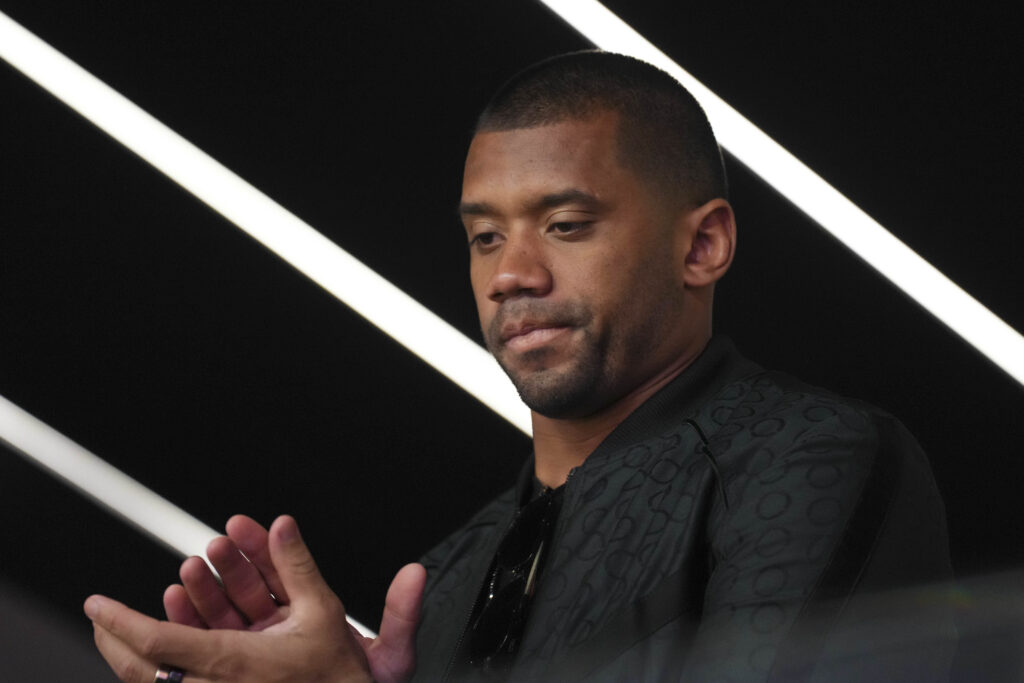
(663, 136)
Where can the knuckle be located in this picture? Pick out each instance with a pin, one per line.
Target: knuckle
(119, 624)
(304, 565)
(151, 644)
(130, 670)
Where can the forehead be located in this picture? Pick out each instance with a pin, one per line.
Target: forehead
(578, 154)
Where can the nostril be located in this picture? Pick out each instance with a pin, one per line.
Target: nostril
(519, 270)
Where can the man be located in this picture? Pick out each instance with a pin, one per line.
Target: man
(686, 515)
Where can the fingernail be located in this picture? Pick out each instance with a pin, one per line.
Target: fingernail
(92, 606)
(290, 531)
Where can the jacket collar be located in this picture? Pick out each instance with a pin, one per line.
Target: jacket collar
(718, 365)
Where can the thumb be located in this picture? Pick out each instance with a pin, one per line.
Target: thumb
(295, 566)
(392, 655)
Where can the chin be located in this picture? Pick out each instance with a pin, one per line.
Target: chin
(559, 394)
(560, 384)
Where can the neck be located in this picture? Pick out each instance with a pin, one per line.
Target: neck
(559, 445)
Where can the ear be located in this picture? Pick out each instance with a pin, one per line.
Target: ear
(712, 231)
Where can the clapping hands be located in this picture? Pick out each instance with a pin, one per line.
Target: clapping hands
(274, 619)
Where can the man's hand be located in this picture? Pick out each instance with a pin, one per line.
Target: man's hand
(306, 639)
(247, 599)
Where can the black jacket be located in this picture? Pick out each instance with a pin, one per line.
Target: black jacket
(739, 526)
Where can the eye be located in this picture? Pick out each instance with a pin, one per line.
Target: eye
(569, 227)
(484, 241)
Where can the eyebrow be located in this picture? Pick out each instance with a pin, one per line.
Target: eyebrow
(548, 201)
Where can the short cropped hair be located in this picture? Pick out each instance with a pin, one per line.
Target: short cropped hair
(664, 135)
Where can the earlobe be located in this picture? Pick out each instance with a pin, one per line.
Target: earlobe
(712, 228)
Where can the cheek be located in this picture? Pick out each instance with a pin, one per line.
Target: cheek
(485, 311)
(642, 292)
(592, 277)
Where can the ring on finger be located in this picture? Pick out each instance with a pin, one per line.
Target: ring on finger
(168, 673)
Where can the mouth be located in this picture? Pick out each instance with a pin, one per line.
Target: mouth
(526, 337)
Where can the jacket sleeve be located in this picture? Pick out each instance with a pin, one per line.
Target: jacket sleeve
(829, 557)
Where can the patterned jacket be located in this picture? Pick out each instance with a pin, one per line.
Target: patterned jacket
(738, 526)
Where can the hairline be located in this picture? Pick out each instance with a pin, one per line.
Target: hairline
(627, 159)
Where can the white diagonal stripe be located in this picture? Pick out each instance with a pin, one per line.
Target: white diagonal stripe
(808, 191)
(108, 486)
(389, 308)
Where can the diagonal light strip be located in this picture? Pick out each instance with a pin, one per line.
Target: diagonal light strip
(102, 482)
(809, 192)
(107, 485)
(389, 308)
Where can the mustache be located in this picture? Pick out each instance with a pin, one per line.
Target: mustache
(565, 313)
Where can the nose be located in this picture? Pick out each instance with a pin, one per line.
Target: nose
(520, 271)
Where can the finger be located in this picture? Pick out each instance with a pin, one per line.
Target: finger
(295, 565)
(392, 655)
(253, 540)
(126, 664)
(364, 641)
(150, 641)
(207, 596)
(179, 607)
(243, 583)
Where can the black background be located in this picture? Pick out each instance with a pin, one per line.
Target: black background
(147, 328)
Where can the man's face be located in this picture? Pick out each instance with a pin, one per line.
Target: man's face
(573, 265)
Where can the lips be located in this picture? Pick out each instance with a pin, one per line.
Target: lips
(523, 336)
(526, 324)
